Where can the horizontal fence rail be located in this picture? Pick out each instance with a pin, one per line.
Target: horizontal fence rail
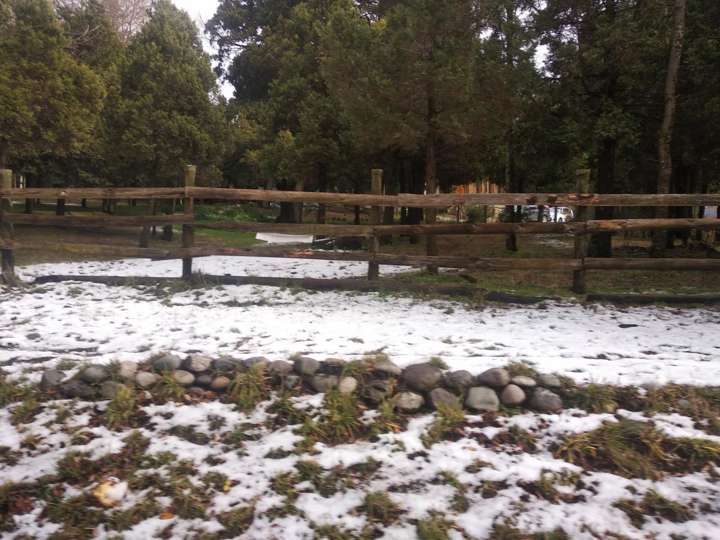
(373, 231)
(409, 200)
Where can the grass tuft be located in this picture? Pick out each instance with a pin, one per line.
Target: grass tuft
(448, 419)
(379, 507)
(434, 527)
(249, 388)
(122, 409)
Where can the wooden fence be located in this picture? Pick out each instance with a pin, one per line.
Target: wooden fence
(373, 231)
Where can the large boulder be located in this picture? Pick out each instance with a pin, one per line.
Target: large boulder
(497, 377)
(422, 377)
(225, 364)
(524, 381)
(347, 385)
(333, 366)
(184, 378)
(109, 389)
(220, 383)
(482, 398)
(256, 361)
(549, 380)
(146, 379)
(544, 400)
(127, 370)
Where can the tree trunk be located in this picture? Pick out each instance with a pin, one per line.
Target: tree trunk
(601, 243)
(668, 122)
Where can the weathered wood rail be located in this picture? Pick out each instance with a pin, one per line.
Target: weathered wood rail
(373, 231)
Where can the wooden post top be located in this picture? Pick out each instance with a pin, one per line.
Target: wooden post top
(190, 172)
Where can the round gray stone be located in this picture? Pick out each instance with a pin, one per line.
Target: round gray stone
(422, 377)
(259, 361)
(197, 363)
(94, 374)
(51, 378)
(544, 400)
(165, 362)
(549, 380)
(459, 380)
(304, 365)
(378, 390)
(512, 394)
(225, 364)
(482, 398)
(291, 381)
(334, 366)
(109, 389)
(525, 382)
(183, 377)
(387, 367)
(145, 379)
(219, 383)
(497, 377)
(439, 397)
(408, 402)
(323, 382)
(281, 368)
(127, 370)
(203, 380)
(347, 385)
(77, 389)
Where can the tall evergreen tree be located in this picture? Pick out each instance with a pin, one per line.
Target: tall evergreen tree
(49, 101)
(168, 112)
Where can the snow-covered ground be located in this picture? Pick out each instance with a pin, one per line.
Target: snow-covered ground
(598, 343)
(474, 485)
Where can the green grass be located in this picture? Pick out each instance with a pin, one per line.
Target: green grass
(237, 239)
(448, 419)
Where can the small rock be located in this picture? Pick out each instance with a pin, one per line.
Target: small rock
(347, 385)
(512, 394)
(165, 362)
(197, 363)
(439, 397)
(127, 370)
(481, 398)
(322, 382)
(224, 364)
(109, 389)
(77, 389)
(408, 402)
(196, 392)
(33, 336)
(304, 365)
(291, 381)
(260, 361)
(549, 380)
(497, 377)
(204, 380)
(459, 380)
(281, 368)
(525, 382)
(219, 383)
(334, 366)
(378, 390)
(145, 379)
(422, 377)
(51, 378)
(387, 367)
(94, 374)
(544, 400)
(185, 378)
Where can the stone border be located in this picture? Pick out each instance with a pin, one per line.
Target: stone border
(374, 379)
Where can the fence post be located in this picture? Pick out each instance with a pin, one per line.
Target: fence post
(376, 181)
(582, 214)
(188, 231)
(7, 257)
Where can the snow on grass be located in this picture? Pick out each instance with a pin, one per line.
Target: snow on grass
(497, 484)
(596, 343)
